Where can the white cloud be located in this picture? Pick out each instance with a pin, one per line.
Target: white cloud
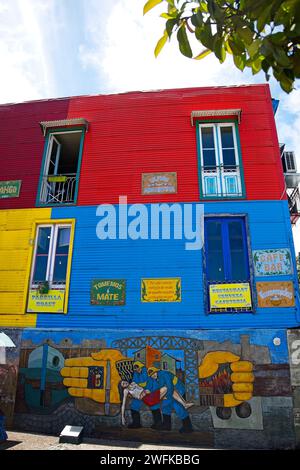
(25, 72)
(124, 53)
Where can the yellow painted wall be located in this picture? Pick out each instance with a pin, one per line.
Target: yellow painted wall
(15, 247)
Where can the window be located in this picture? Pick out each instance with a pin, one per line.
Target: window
(226, 250)
(60, 173)
(219, 160)
(51, 255)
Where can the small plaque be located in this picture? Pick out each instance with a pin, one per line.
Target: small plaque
(159, 183)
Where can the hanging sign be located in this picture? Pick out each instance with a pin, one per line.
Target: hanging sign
(52, 302)
(229, 296)
(275, 294)
(108, 292)
(161, 290)
(272, 262)
(159, 183)
(10, 188)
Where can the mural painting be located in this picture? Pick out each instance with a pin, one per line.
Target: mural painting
(193, 385)
(10, 341)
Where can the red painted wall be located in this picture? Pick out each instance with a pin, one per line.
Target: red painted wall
(22, 145)
(138, 132)
(141, 132)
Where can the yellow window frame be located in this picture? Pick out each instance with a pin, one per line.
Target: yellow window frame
(36, 223)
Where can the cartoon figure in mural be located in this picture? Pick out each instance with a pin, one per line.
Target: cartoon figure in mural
(141, 378)
(149, 398)
(164, 378)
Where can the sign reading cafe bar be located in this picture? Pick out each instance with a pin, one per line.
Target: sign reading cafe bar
(108, 292)
(224, 297)
(272, 262)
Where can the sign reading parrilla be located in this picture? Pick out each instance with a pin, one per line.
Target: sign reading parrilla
(10, 188)
(52, 302)
(108, 292)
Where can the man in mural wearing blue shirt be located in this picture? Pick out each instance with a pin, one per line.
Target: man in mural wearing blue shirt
(164, 378)
(141, 377)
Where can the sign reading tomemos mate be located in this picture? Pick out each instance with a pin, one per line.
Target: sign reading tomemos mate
(108, 292)
(224, 297)
(272, 262)
(52, 302)
(10, 188)
(159, 183)
(161, 290)
(275, 294)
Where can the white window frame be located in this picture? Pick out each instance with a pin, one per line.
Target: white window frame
(51, 255)
(220, 175)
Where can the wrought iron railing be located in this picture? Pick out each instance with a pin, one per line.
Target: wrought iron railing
(58, 189)
(294, 204)
(221, 181)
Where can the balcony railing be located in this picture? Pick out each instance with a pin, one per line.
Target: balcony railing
(221, 181)
(58, 189)
(294, 204)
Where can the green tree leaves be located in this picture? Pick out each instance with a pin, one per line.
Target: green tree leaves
(259, 34)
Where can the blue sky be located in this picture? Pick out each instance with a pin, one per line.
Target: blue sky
(55, 48)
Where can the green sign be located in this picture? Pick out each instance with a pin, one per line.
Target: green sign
(108, 292)
(10, 188)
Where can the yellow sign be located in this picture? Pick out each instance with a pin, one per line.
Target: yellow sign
(161, 290)
(52, 302)
(229, 296)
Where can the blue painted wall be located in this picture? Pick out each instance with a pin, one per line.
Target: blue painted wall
(269, 227)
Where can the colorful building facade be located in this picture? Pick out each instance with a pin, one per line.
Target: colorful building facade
(146, 247)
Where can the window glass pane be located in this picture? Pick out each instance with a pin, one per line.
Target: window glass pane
(61, 255)
(40, 268)
(44, 236)
(63, 240)
(229, 158)
(227, 137)
(207, 134)
(53, 158)
(239, 267)
(42, 252)
(215, 261)
(228, 146)
(209, 159)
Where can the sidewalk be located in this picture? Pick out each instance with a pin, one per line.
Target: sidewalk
(26, 441)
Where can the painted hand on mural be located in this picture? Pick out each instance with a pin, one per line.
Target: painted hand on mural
(94, 377)
(239, 372)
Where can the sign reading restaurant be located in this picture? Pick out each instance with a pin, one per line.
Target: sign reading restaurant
(223, 297)
(10, 188)
(108, 292)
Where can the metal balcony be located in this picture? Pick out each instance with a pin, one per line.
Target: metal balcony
(294, 204)
(58, 189)
(221, 181)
